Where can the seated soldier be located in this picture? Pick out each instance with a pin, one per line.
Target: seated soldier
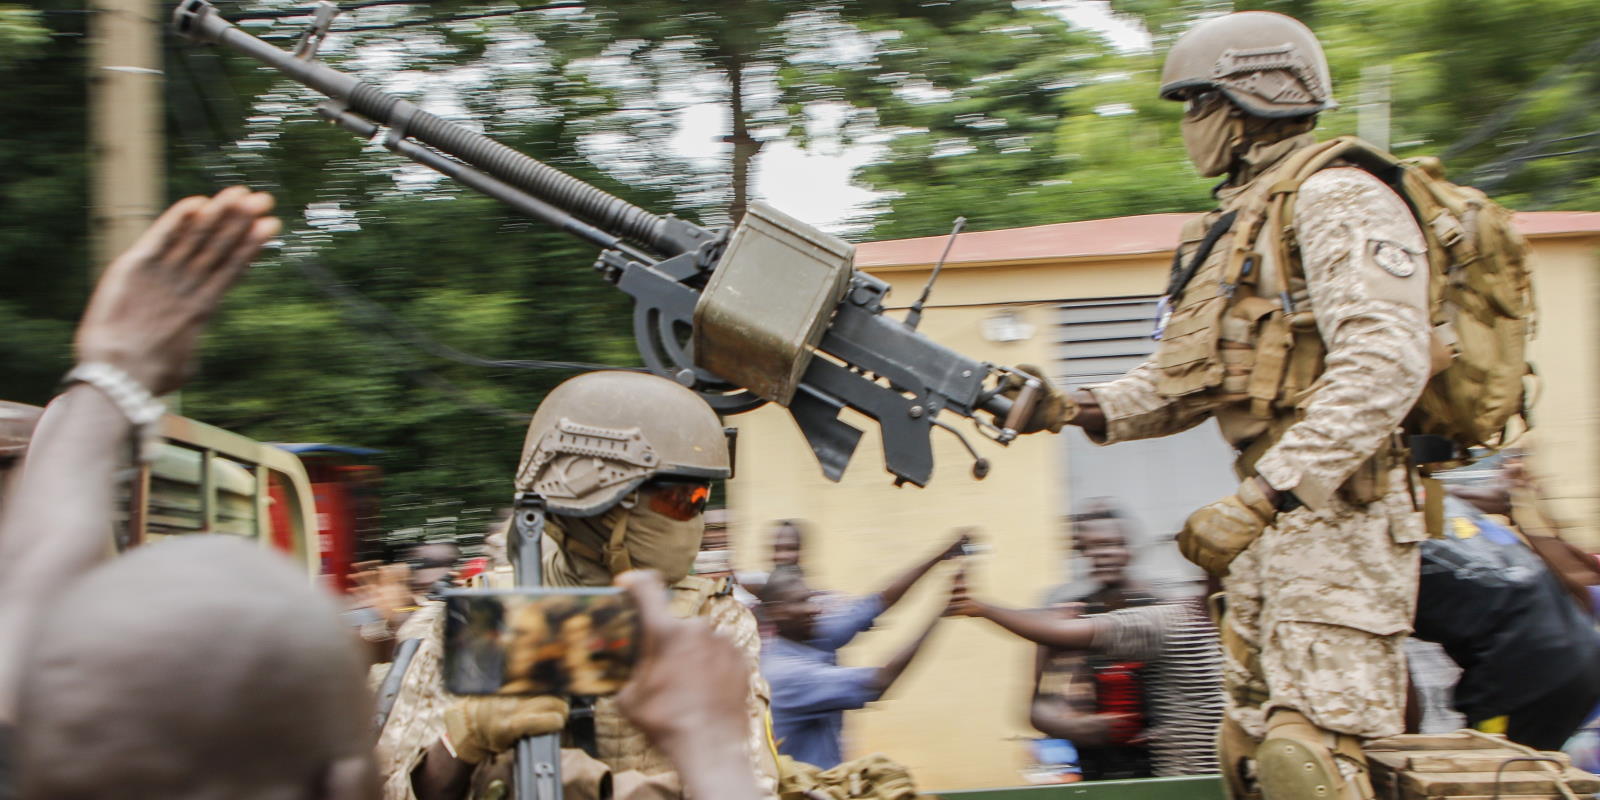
(637, 506)
(207, 667)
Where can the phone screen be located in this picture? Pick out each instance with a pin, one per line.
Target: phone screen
(539, 641)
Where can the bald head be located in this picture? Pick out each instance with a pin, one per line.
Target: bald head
(198, 668)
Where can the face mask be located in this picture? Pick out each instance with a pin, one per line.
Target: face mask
(646, 539)
(1210, 137)
(659, 542)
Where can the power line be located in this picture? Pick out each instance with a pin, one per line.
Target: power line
(372, 316)
(461, 17)
(1562, 153)
(440, 20)
(1500, 170)
(377, 315)
(311, 10)
(1498, 120)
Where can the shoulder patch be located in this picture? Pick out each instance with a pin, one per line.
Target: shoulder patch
(1393, 258)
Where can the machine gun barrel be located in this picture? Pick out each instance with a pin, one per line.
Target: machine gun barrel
(199, 20)
(770, 310)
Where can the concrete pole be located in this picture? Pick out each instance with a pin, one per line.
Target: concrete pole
(1372, 116)
(125, 124)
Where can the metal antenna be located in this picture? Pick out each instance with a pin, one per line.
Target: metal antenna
(914, 316)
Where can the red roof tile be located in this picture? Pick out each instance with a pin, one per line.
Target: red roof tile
(1117, 237)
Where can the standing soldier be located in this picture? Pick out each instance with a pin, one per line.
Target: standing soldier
(624, 463)
(1302, 327)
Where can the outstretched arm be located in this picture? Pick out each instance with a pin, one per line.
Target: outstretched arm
(1126, 408)
(1040, 626)
(1054, 627)
(891, 672)
(903, 582)
(143, 320)
(838, 629)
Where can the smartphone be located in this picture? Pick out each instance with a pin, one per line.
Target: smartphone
(531, 641)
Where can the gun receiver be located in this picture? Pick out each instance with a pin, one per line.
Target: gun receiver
(814, 338)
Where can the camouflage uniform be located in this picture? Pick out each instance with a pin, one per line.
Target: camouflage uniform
(1320, 603)
(623, 747)
(416, 720)
(638, 771)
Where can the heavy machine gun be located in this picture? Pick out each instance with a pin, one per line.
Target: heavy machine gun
(770, 310)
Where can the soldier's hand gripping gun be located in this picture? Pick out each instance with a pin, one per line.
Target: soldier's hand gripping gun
(769, 311)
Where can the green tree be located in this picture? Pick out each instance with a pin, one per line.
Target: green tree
(43, 225)
(293, 359)
(772, 64)
(338, 339)
(1521, 122)
(21, 33)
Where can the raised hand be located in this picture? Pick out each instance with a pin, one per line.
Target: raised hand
(964, 537)
(961, 603)
(382, 588)
(152, 302)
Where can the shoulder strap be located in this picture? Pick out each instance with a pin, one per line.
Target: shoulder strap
(1302, 165)
(689, 596)
(1181, 277)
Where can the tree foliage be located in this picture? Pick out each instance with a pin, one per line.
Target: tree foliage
(1458, 69)
(1000, 112)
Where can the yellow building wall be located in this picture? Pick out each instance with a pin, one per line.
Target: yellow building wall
(958, 717)
(1564, 445)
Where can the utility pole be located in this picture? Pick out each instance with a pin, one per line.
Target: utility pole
(125, 124)
(1372, 115)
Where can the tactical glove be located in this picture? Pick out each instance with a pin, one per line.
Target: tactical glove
(482, 727)
(1051, 410)
(1218, 532)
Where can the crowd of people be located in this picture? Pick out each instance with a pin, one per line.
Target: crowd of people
(1128, 677)
(206, 667)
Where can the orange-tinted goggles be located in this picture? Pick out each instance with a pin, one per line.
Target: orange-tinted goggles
(679, 501)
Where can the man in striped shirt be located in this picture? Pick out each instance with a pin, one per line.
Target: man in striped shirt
(1176, 640)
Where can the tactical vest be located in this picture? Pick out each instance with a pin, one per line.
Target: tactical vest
(623, 747)
(1236, 327)
(1233, 313)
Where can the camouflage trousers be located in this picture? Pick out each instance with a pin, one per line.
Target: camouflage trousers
(1318, 609)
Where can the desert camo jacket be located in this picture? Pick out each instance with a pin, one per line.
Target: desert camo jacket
(1365, 278)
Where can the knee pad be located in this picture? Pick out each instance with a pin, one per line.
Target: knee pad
(1300, 761)
(1236, 752)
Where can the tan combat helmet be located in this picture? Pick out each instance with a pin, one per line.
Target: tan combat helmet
(1266, 63)
(598, 436)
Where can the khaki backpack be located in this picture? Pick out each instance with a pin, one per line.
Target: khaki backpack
(1481, 298)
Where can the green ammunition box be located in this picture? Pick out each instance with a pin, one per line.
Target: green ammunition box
(769, 301)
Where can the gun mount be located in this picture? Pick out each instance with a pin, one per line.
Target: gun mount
(770, 311)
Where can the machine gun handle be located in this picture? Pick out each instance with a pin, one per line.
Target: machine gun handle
(1022, 406)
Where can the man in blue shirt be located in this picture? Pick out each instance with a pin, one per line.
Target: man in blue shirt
(810, 691)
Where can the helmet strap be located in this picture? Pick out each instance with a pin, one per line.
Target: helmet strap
(617, 560)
